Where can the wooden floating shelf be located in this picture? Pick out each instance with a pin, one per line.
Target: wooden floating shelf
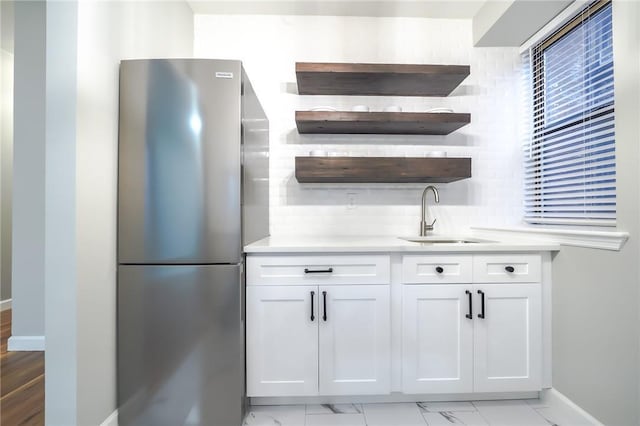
(397, 123)
(381, 169)
(316, 78)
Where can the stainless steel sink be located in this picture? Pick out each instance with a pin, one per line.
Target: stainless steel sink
(444, 240)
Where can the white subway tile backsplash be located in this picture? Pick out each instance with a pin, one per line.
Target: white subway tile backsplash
(269, 46)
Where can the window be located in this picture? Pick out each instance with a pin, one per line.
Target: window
(569, 168)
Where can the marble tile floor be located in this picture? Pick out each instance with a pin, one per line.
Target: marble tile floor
(476, 413)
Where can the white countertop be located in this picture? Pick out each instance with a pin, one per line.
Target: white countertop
(341, 244)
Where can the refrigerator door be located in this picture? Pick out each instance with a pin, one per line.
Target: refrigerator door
(179, 162)
(180, 345)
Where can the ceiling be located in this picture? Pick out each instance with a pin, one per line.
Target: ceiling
(442, 9)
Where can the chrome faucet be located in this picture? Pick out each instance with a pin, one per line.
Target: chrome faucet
(424, 228)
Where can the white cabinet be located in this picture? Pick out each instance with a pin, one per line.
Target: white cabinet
(508, 340)
(282, 340)
(440, 269)
(507, 268)
(330, 338)
(437, 339)
(326, 325)
(472, 336)
(318, 269)
(355, 355)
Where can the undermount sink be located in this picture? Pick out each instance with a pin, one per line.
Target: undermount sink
(433, 239)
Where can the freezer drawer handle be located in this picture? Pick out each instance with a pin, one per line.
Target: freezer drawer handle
(481, 314)
(324, 303)
(470, 314)
(318, 271)
(313, 293)
(439, 269)
(509, 269)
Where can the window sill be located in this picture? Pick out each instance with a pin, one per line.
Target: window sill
(603, 240)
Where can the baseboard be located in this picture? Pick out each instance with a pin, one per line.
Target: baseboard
(393, 397)
(5, 304)
(554, 399)
(112, 420)
(25, 343)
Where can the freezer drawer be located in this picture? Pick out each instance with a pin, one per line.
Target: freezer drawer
(180, 345)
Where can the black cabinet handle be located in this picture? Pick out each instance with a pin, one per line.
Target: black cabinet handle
(470, 314)
(439, 269)
(509, 269)
(481, 314)
(318, 271)
(313, 293)
(324, 303)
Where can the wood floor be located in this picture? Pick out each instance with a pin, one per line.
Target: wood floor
(21, 382)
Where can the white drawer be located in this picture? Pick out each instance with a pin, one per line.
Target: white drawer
(507, 268)
(321, 270)
(420, 269)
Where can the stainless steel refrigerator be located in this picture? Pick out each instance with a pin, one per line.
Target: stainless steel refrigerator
(192, 190)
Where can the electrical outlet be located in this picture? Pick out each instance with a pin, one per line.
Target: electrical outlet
(351, 200)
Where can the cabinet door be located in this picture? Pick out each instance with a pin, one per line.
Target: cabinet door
(437, 339)
(282, 341)
(355, 340)
(508, 340)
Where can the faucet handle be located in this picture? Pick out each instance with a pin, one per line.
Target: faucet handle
(426, 227)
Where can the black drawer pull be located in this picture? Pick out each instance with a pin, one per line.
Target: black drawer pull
(481, 314)
(470, 314)
(318, 271)
(324, 300)
(509, 269)
(313, 293)
(439, 269)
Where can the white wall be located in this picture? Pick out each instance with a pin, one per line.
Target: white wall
(596, 321)
(60, 292)
(269, 46)
(6, 152)
(107, 32)
(511, 23)
(29, 170)
(2, 137)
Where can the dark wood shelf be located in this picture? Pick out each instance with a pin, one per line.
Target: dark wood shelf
(381, 169)
(397, 123)
(316, 78)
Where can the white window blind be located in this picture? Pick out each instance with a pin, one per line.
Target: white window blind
(570, 176)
